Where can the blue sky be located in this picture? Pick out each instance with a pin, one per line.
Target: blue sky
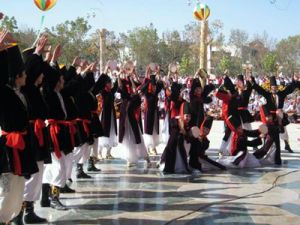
(280, 20)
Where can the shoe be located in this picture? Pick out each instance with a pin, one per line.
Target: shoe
(30, 217)
(129, 165)
(91, 166)
(18, 220)
(83, 175)
(67, 190)
(56, 204)
(45, 201)
(80, 174)
(288, 148)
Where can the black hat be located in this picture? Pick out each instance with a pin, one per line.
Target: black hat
(240, 77)
(28, 52)
(89, 81)
(175, 91)
(234, 122)
(207, 123)
(195, 84)
(71, 88)
(229, 85)
(101, 82)
(52, 76)
(15, 63)
(34, 67)
(63, 71)
(273, 81)
(153, 79)
(3, 67)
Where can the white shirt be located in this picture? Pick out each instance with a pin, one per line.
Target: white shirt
(62, 103)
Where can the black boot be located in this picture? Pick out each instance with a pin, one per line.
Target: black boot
(55, 202)
(91, 166)
(287, 147)
(30, 217)
(45, 201)
(18, 220)
(80, 174)
(67, 190)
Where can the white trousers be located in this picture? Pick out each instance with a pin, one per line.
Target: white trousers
(69, 165)
(55, 173)
(33, 186)
(81, 154)
(94, 151)
(11, 196)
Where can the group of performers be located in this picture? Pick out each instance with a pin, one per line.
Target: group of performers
(50, 120)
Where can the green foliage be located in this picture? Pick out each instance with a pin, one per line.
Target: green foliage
(231, 64)
(288, 51)
(9, 23)
(269, 63)
(72, 35)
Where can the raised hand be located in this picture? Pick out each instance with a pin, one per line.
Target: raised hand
(148, 72)
(56, 53)
(48, 55)
(76, 61)
(40, 46)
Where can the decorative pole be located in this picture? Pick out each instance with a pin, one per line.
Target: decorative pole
(203, 45)
(201, 13)
(101, 48)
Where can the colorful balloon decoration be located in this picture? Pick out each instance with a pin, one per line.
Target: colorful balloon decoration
(45, 5)
(201, 12)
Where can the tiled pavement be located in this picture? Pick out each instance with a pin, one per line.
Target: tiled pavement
(137, 196)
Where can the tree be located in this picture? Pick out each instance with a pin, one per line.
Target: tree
(143, 45)
(9, 23)
(269, 62)
(288, 52)
(238, 38)
(72, 35)
(231, 64)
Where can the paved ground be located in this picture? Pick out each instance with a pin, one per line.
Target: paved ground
(138, 196)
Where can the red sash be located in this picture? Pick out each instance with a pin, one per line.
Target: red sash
(85, 124)
(39, 125)
(15, 141)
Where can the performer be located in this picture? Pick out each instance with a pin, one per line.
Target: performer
(172, 106)
(201, 144)
(16, 155)
(108, 113)
(130, 130)
(90, 126)
(39, 136)
(228, 94)
(71, 88)
(243, 97)
(61, 137)
(267, 153)
(240, 157)
(275, 101)
(151, 88)
(175, 153)
(198, 97)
